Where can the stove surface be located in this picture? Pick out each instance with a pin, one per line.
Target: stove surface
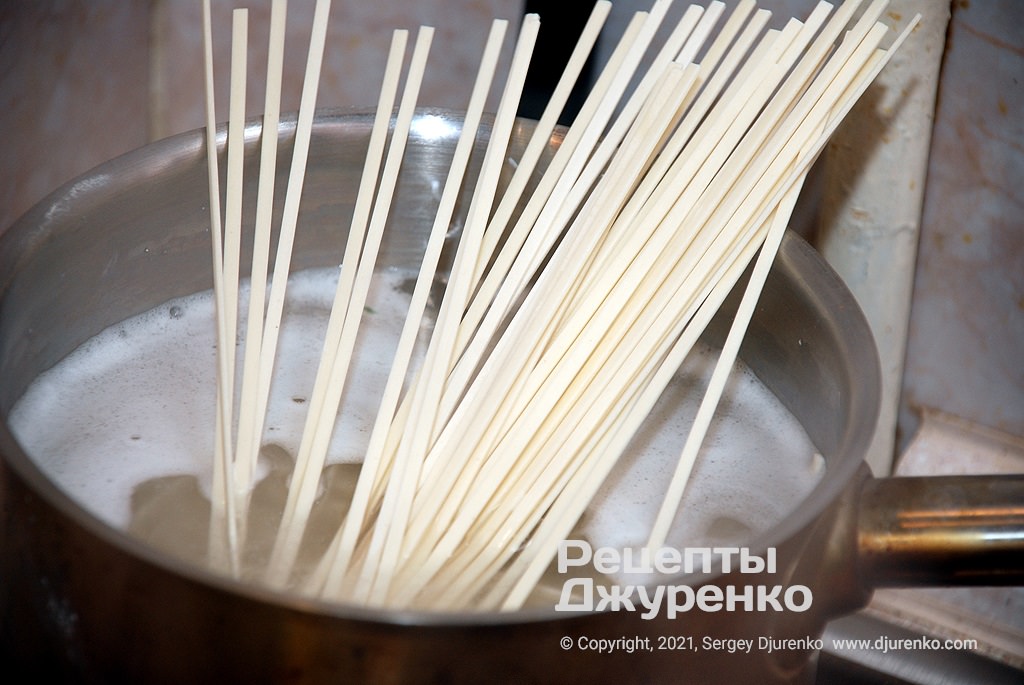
(839, 665)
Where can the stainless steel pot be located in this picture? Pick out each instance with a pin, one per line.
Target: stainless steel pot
(81, 600)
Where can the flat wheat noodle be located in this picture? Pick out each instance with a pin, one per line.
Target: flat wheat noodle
(559, 212)
(375, 466)
(541, 136)
(233, 231)
(222, 539)
(307, 466)
(681, 135)
(247, 442)
(568, 160)
(316, 435)
(438, 361)
(290, 212)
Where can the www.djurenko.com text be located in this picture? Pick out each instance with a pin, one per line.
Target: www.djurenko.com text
(766, 644)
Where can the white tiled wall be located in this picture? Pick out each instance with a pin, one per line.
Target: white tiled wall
(357, 43)
(73, 92)
(965, 352)
(82, 81)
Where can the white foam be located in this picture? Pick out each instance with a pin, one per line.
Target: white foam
(135, 403)
(755, 466)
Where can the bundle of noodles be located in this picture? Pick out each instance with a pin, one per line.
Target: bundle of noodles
(567, 309)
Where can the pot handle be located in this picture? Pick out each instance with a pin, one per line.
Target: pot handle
(942, 530)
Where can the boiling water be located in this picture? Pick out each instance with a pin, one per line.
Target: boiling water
(125, 425)
(136, 402)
